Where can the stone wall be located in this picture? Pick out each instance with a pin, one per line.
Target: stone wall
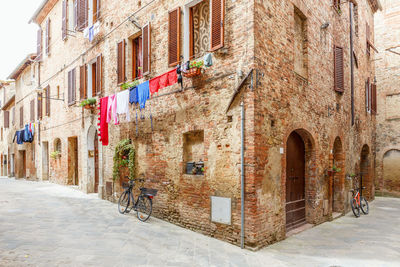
(388, 119)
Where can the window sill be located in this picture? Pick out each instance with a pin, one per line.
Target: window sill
(185, 175)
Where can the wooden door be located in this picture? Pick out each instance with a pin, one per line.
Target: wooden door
(96, 164)
(295, 182)
(23, 164)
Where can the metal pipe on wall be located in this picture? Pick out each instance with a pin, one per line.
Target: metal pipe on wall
(242, 176)
(351, 62)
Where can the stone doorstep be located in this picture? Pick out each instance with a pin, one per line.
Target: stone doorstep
(299, 229)
(336, 215)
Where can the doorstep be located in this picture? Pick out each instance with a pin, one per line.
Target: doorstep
(336, 215)
(299, 229)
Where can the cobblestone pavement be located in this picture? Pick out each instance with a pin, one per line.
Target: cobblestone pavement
(43, 224)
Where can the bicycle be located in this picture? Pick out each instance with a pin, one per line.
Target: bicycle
(358, 202)
(143, 204)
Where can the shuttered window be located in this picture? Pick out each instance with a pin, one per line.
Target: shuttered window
(6, 119)
(146, 45)
(339, 69)
(367, 96)
(82, 15)
(96, 10)
(217, 24)
(21, 117)
(121, 62)
(99, 75)
(32, 110)
(82, 83)
(64, 19)
(39, 107)
(373, 99)
(174, 33)
(47, 48)
(71, 87)
(48, 100)
(39, 45)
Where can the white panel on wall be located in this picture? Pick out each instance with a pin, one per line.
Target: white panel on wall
(221, 210)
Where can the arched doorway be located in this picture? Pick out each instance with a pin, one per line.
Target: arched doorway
(365, 177)
(391, 172)
(93, 160)
(300, 156)
(338, 177)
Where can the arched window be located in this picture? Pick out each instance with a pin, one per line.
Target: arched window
(57, 145)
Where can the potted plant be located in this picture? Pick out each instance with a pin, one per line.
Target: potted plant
(333, 170)
(88, 103)
(55, 155)
(129, 85)
(195, 69)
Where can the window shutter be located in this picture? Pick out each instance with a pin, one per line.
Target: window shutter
(98, 10)
(21, 117)
(339, 69)
(39, 107)
(64, 19)
(75, 14)
(367, 106)
(33, 110)
(73, 78)
(217, 24)
(81, 15)
(39, 44)
(6, 119)
(373, 98)
(82, 83)
(146, 48)
(71, 87)
(48, 100)
(99, 76)
(121, 62)
(174, 32)
(47, 36)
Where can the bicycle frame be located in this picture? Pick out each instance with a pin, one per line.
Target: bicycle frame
(357, 197)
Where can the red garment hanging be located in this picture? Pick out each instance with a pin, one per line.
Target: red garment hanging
(103, 126)
(154, 85)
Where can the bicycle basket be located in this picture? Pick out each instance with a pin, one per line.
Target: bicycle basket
(149, 191)
(125, 185)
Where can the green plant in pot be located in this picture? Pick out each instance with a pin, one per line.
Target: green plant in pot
(55, 154)
(124, 156)
(88, 103)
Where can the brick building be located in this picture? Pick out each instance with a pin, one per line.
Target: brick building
(287, 65)
(7, 99)
(388, 74)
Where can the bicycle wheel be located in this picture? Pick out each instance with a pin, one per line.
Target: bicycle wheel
(144, 208)
(355, 208)
(364, 205)
(123, 202)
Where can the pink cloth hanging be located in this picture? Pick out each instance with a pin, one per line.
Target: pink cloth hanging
(112, 108)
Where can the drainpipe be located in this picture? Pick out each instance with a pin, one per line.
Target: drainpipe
(351, 62)
(242, 176)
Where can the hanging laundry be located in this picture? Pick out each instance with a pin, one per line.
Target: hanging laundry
(133, 95)
(172, 77)
(112, 109)
(164, 80)
(103, 126)
(143, 94)
(19, 135)
(123, 104)
(208, 60)
(28, 136)
(154, 85)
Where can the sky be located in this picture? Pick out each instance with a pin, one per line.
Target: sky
(18, 38)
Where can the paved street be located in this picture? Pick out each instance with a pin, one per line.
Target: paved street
(43, 224)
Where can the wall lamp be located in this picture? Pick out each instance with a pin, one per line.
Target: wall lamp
(325, 25)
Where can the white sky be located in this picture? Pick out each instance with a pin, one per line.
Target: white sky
(17, 37)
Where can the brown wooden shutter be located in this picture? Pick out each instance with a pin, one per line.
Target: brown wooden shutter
(39, 107)
(64, 19)
(6, 119)
(174, 33)
(73, 77)
(32, 110)
(373, 98)
(48, 100)
(82, 15)
(217, 24)
(339, 69)
(146, 48)
(98, 9)
(121, 62)
(75, 14)
(47, 37)
(99, 74)
(39, 45)
(82, 83)
(21, 116)
(71, 87)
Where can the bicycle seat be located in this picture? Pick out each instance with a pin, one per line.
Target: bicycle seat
(351, 190)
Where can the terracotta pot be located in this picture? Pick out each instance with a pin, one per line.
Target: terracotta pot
(88, 106)
(193, 72)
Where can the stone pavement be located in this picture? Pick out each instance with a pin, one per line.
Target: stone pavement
(43, 224)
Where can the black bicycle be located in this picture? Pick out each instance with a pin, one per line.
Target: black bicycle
(143, 204)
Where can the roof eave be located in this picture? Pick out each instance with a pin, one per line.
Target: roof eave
(8, 103)
(37, 12)
(21, 66)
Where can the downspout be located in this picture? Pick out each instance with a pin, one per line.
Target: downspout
(351, 62)
(242, 176)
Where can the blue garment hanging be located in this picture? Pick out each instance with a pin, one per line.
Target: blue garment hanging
(143, 94)
(133, 95)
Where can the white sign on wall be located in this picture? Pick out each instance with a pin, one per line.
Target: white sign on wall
(221, 210)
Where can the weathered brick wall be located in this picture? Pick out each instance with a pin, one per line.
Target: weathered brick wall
(388, 70)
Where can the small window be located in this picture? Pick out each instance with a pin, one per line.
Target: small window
(336, 6)
(300, 43)
(355, 14)
(193, 152)
(199, 21)
(57, 145)
(137, 60)
(71, 15)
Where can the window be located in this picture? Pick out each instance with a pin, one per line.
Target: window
(57, 145)
(137, 61)
(121, 78)
(13, 116)
(392, 106)
(64, 27)
(47, 47)
(90, 79)
(300, 43)
(203, 29)
(373, 98)
(39, 107)
(21, 117)
(367, 96)
(71, 14)
(1, 133)
(32, 110)
(6, 119)
(39, 45)
(336, 5)
(355, 14)
(81, 14)
(338, 69)
(71, 87)
(47, 100)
